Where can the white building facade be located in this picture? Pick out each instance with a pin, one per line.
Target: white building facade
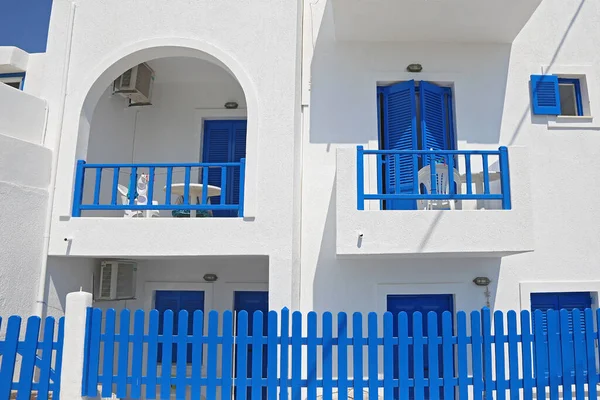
(281, 96)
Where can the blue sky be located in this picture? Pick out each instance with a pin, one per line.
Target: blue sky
(24, 24)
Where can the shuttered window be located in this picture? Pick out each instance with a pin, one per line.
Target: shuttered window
(553, 95)
(412, 117)
(559, 301)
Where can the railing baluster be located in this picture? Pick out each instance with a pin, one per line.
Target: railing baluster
(505, 178)
(432, 170)
(115, 186)
(415, 171)
(132, 192)
(468, 173)
(397, 176)
(151, 174)
(451, 175)
(486, 174)
(242, 186)
(360, 178)
(168, 186)
(205, 185)
(78, 191)
(97, 186)
(379, 173)
(186, 186)
(223, 185)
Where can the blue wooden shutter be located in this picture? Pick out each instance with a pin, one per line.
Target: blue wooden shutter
(544, 302)
(166, 300)
(434, 118)
(239, 152)
(545, 96)
(570, 301)
(399, 126)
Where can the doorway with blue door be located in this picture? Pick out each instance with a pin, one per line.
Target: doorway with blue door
(252, 301)
(423, 303)
(224, 141)
(412, 116)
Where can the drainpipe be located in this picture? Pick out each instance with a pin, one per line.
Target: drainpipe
(39, 303)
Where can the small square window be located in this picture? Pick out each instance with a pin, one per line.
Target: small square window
(14, 80)
(570, 97)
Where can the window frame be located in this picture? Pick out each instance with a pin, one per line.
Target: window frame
(16, 77)
(578, 99)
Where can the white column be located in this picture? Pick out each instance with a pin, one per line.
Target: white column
(73, 345)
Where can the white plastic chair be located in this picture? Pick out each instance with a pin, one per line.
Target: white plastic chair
(441, 185)
(124, 192)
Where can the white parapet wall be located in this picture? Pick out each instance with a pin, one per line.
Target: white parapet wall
(22, 115)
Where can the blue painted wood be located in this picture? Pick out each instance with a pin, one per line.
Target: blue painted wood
(212, 354)
(505, 178)
(499, 341)
(284, 354)
(109, 353)
(151, 175)
(9, 355)
(186, 186)
(311, 355)
(167, 354)
(242, 187)
(132, 193)
(486, 331)
(360, 176)
(115, 184)
(78, 189)
(58, 348)
(545, 95)
(224, 174)
(227, 356)
(357, 355)
(418, 344)
(28, 356)
(257, 354)
(448, 356)
(342, 356)
(46, 359)
(197, 350)
(272, 356)
(461, 322)
(527, 355)
(591, 356)
(138, 354)
(168, 185)
(469, 174)
(476, 354)
(372, 356)
(540, 354)
(241, 369)
(554, 356)
(433, 356)
(513, 355)
(97, 185)
(389, 346)
(486, 174)
(151, 378)
(94, 355)
(403, 349)
(580, 354)
(181, 346)
(567, 351)
(123, 360)
(296, 355)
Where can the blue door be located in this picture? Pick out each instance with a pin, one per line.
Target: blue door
(251, 302)
(177, 300)
(224, 141)
(410, 304)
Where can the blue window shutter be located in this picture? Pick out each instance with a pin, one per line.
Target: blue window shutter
(166, 300)
(434, 118)
(238, 152)
(399, 126)
(570, 301)
(545, 96)
(544, 302)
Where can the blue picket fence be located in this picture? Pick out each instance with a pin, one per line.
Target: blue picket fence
(488, 356)
(28, 363)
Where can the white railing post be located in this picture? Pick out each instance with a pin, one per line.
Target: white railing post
(74, 344)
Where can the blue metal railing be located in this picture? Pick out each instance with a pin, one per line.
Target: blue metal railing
(402, 167)
(232, 172)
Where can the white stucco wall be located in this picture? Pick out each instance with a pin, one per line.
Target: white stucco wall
(23, 116)
(492, 106)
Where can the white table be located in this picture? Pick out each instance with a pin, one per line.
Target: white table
(196, 191)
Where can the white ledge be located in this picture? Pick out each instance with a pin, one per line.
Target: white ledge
(13, 59)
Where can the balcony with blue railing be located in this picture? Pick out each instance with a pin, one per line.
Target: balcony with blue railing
(147, 190)
(433, 202)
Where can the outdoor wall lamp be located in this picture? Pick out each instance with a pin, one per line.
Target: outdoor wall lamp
(230, 105)
(210, 277)
(414, 68)
(481, 281)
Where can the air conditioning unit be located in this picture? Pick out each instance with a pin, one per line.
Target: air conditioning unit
(136, 85)
(117, 280)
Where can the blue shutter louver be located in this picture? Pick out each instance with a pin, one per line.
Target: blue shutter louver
(400, 133)
(239, 152)
(433, 118)
(545, 95)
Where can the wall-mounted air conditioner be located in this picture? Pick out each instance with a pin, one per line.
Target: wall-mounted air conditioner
(136, 85)
(117, 280)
